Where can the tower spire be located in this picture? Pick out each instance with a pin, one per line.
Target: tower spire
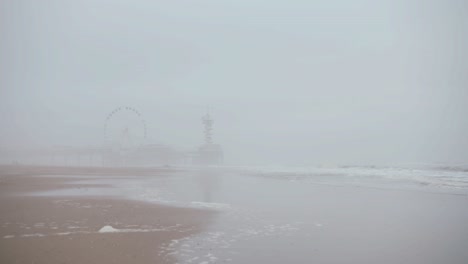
(208, 128)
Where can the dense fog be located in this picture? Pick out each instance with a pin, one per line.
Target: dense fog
(286, 82)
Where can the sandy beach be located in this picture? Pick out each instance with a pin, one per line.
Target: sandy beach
(232, 215)
(63, 229)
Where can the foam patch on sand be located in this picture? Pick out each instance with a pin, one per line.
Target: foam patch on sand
(108, 229)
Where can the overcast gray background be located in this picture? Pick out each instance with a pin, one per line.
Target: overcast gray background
(289, 82)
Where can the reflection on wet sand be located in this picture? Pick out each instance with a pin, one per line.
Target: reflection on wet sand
(208, 181)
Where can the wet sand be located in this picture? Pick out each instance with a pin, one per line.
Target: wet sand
(61, 229)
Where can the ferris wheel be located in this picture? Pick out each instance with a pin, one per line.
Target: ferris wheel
(124, 129)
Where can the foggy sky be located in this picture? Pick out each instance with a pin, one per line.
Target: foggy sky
(288, 82)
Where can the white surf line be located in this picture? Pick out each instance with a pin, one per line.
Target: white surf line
(216, 206)
(204, 248)
(110, 229)
(105, 229)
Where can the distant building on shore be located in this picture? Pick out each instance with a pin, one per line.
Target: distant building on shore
(209, 153)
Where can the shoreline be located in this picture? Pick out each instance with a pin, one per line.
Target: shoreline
(86, 170)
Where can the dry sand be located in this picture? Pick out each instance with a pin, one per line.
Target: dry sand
(66, 229)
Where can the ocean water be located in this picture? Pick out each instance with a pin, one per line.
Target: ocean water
(322, 215)
(442, 179)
